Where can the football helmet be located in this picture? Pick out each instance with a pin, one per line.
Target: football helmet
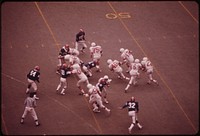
(137, 60)
(121, 50)
(109, 61)
(145, 59)
(37, 68)
(93, 44)
(105, 77)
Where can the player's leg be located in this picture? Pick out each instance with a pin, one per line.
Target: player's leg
(29, 85)
(100, 103)
(24, 115)
(97, 60)
(84, 46)
(132, 115)
(34, 115)
(79, 86)
(129, 84)
(59, 85)
(76, 45)
(134, 80)
(104, 96)
(123, 76)
(64, 82)
(34, 85)
(59, 66)
(95, 107)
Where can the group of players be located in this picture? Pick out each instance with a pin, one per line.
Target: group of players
(134, 67)
(70, 63)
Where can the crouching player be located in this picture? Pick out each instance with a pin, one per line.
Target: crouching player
(101, 85)
(95, 99)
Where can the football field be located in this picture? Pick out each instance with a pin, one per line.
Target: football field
(167, 32)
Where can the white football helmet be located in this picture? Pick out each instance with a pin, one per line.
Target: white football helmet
(121, 50)
(137, 60)
(93, 44)
(105, 77)
(145, 59)
(109, 61)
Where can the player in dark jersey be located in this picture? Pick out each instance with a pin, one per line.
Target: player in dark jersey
(63, 51)
(101, 85)
(133, 108)
(63, 82)
(80, 40)
(32, 77)
(87, 67)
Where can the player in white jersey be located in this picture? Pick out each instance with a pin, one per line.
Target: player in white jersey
(114, 66)
(136, 65)
(71, 60)
(127, 57)
(96, 53)
(73, 51)
(95, 98)
(74, 60)
(143, 62)
(82, 77)
(134, 73)
(149, 71)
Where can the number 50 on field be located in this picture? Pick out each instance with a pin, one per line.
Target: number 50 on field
(116, 15)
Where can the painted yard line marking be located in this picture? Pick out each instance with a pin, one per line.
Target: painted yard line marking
(58, 49)
(170, 90)
(57, 101)
(4, 124)
(51, 32)
(97, 123)
(188, 12)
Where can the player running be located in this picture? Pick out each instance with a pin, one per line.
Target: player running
(114, 66)
(32, 77)
(127, 58)
(96, 53)
(76, 69)
(133, 109)
(63, 51)
(95, 99)
(147, 66)
(103, 82)
(63, 79)
(80, 40)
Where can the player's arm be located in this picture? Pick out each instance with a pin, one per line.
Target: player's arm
(124, 106)
(37, 78)
(136, 107)
(77, 37)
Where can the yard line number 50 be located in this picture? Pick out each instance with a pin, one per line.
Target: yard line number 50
(116, 15)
